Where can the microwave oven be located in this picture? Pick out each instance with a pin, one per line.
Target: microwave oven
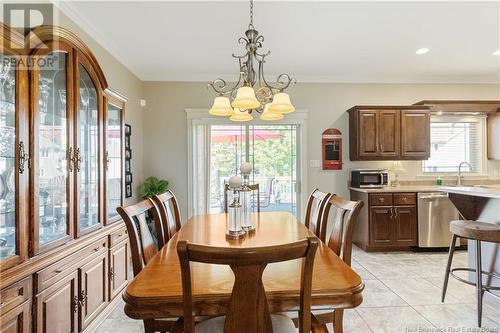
(372, 178)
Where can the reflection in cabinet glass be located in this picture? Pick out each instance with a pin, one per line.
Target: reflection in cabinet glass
(87, 154)
(113, 159)
(7, 158)
(52, 150)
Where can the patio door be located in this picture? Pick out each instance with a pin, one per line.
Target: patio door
(272, 150)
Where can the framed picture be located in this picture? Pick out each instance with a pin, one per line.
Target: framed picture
(128, 190)
(127, 142)
(128, 130)
(128, 154)
(128, 178)
(128, 168)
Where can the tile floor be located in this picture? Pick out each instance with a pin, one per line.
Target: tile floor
(402, 294)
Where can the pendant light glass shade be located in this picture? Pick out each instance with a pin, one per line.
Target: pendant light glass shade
(281, 104)
(245, 99)
(267, 115)
(221, 107)
(240, 115)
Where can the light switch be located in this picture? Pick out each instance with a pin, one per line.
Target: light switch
(314, 163)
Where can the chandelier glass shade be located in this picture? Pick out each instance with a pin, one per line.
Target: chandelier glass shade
(252, 92)
(241, 115)
(221, 107)
(268, 115)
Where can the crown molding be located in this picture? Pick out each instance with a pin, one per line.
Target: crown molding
(67, 8)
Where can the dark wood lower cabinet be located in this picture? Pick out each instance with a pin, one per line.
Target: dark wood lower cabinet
(382, 225)
(57, 306)
(17, 320)
(405, 219)
(388, 221)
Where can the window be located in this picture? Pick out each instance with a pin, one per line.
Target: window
(455, 139)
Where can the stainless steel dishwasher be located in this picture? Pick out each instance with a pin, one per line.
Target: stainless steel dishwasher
(435, 212)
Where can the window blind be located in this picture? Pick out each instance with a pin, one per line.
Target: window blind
(453, 143)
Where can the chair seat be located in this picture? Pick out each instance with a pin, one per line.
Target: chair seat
(482, 231)
(281, 324)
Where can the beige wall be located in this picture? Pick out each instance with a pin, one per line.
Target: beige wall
(165, 150)
(126, 83)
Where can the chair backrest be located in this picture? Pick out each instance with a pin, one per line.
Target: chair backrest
(314, 211)
(253, 187)
(142, 246)
(345, 216)
(169, 215)
(248, 308)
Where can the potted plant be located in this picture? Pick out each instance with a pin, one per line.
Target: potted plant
(148, 189)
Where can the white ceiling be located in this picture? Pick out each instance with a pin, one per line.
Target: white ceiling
(312, 41)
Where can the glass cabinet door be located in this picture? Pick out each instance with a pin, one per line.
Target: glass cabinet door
(51, 153)
(8, 170)
(113, 160)
(87, 153)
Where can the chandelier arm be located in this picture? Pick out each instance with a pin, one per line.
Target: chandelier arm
(218, 86)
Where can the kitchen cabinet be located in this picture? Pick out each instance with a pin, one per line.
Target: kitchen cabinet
(415, 134)
(388, 222)
(389, 133)
(493, 122)
(61, 176)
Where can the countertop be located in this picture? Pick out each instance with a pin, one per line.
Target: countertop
(485, 191)
(402, 188)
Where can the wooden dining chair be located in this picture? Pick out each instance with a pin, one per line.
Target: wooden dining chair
(253, 187)
(248, 309)
(345, 214)
(143, 249)
(170, 216)
(314, 211)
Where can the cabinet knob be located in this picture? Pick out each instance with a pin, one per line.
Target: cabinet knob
(381, 199)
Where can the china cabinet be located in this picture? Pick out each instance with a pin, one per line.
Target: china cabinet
(63, 249)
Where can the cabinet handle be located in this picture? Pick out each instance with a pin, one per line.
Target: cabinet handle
(57, 271)
(382, 148)
(395, 213)
(83, 298)
(76, 304)
(23, 157)
(111, 274)
(71, 159)
(107, 160)
(78, 159)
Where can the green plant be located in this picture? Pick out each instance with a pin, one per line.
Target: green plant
(152, 186)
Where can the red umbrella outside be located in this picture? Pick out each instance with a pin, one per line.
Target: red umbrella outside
(230, 136)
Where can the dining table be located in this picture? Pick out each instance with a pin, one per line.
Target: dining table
(156, 292)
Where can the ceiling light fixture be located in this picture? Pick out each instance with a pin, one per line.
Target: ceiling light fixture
(422, 50)
(497, 52)
(252, 92)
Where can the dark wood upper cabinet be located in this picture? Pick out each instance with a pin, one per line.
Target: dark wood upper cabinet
(389, 133)
(415, 134)
(369, 126)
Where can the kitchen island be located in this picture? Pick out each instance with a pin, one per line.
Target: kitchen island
(480, 203)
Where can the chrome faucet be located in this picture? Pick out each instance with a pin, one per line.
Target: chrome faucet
(459, 176)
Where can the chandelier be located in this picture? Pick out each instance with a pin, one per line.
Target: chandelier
(252, 92)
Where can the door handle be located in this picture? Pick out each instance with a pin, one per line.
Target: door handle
(78, 159)
(23, 157)
(71, 159)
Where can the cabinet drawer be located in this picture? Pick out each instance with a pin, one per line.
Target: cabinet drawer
(118, 236)
(405, 199)
(53, 273)
(381, 199)
(15, 295)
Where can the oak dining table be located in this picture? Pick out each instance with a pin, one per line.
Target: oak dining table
(156, 292)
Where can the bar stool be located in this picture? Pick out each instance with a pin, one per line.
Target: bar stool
(480, 232)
